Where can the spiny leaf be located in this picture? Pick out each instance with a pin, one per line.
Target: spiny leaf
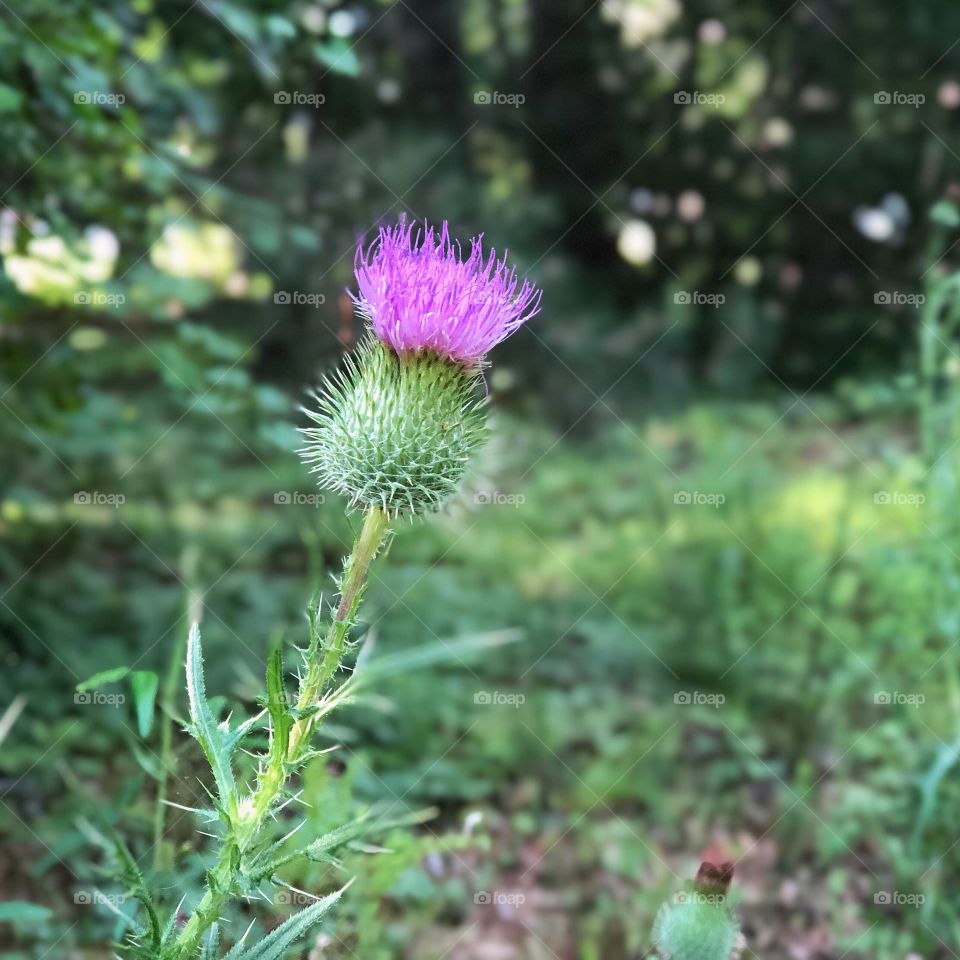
(209, 949)
(291, 930)
(204, 726)
(322, 848)
(172, 927)
(134, 881)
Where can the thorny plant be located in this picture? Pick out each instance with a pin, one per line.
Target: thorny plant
(394, 432)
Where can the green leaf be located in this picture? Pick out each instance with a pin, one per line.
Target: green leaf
(22, 914)
(10, 99)
(149, 762)
(339, 56)
(204, 726)
(239, 21)
(946, 758)
(275, 945)
(217, 740)
(944, 212)
(321, 850)
(144, 685)
(209, 949)
(280, 26)
(280, 717)
(427, 655)
(103, 678)
(133, 879)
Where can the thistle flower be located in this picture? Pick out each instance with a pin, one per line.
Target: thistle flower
(419, 293)
(397, 426)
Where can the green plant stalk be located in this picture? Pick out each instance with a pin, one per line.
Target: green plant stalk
(322, 663)
(321, 669)
(168, 698)
(168, 701)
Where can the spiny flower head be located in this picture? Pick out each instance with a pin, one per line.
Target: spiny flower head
(694, 927)
(700, 923)
(396, 431)
(419, 292)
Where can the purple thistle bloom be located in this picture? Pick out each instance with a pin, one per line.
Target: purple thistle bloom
(419, 293)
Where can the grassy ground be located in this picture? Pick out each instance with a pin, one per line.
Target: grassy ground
(725, 638)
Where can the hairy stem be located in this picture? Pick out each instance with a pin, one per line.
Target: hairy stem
(323, 660)
(321, 669)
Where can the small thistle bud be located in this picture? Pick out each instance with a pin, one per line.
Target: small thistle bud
(396, 431)
(396, 427)
(700, 924)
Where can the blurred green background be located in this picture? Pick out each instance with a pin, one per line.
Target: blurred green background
(719, 510)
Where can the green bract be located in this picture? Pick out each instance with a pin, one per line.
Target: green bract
(396, 431)
(696, 927)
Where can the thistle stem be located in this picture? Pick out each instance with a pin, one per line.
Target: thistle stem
(321, 669)
(322, 663)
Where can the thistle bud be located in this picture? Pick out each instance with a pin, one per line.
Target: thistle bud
(699, 924)
(396, 431)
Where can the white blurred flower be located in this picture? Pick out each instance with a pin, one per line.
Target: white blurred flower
(748, 271)
(637, 242)
(712, 31)
(209, 251)
(102, 242)
(342, 23)
(778, 132)
(389, 90)
(641, 20)
(874, 223)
